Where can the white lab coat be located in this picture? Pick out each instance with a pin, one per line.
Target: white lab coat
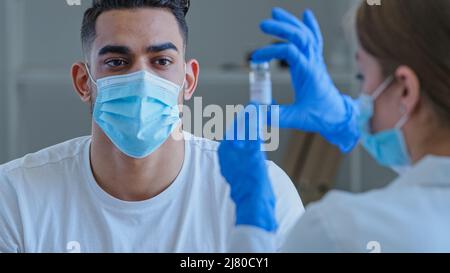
(410, 215)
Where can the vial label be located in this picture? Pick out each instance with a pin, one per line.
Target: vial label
(261, 92)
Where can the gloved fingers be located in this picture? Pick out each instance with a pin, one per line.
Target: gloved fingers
(285, 120)
(277, 116)
(293, 118)
(286, 51)
(236, 164)
(300, 36)
(273, 115)
(311, 22)
(249, 122)
(245, 130)
(282, 15)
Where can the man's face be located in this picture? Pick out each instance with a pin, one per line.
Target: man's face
(131, 40)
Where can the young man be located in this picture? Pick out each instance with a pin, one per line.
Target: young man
(138, 184)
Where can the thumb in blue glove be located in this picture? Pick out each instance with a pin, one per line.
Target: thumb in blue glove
(319, 107)
(243, 165)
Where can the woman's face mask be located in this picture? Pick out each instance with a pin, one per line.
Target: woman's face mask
(387, 147)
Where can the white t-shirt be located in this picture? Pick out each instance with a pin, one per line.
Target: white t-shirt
(50, 202)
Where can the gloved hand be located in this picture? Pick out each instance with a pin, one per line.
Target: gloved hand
(319, 107)
(243, 165)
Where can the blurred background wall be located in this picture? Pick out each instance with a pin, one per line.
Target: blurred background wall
(40, 41)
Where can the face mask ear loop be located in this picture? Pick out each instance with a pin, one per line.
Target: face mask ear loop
(403, 120)
(89, 74)
(382, 88)
(182, 86)
(184, 79)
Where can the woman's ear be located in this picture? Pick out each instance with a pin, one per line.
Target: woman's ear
(409, 81)
(192, 75)
(80, 80)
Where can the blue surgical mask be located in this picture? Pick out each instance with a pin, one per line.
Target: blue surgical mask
(138, 112)
(387, 147)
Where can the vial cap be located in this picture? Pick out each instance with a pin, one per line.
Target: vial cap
(260, 66)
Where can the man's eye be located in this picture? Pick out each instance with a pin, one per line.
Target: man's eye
(163, 62)
(116, 63)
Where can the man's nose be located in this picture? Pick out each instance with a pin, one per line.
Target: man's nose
(141, 63)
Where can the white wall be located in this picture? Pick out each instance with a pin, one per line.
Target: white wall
(3, 117)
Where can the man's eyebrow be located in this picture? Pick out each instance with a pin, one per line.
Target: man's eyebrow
(123, 50)
(161, 47)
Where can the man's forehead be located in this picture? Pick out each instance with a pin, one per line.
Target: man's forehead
(137, 28)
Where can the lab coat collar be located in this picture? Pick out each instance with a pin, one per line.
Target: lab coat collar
(432, 171)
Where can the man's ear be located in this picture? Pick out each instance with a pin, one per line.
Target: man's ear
(80, 80)
(411, 88)
(192, 74)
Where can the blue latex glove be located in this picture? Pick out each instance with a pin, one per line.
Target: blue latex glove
(319, 107)
(243, 165)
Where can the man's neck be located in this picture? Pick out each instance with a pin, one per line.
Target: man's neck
(130, 179)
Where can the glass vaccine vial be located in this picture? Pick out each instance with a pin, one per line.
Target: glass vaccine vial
(260, 92)
(260, 83)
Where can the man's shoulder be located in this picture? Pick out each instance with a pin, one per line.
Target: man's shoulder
(201, 144)
(206, 152)
(46, 157)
